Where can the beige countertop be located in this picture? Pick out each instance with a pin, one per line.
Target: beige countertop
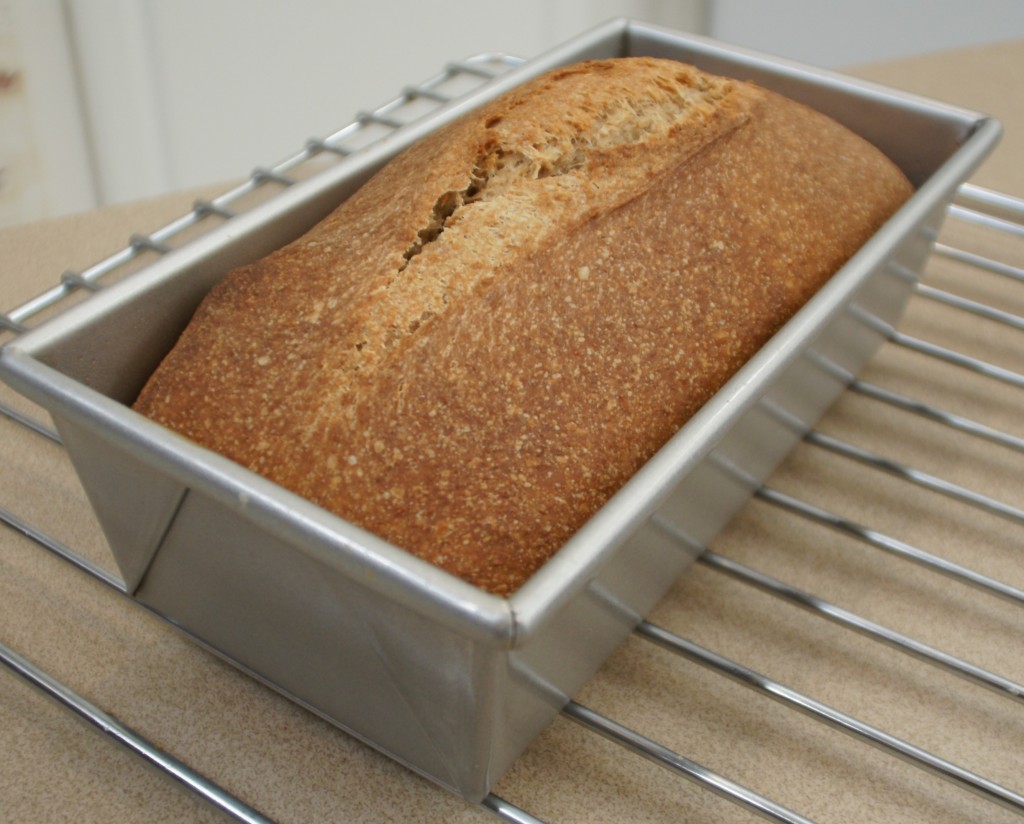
(293, 766)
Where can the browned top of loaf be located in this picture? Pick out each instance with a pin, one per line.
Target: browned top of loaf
(472, 353)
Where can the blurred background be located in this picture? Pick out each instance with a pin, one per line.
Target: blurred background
(108, 101)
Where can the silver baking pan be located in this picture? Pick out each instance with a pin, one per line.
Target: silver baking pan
(443, 677)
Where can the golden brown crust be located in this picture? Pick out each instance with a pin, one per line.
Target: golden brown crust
(478, 348)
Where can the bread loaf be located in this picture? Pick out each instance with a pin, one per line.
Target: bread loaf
(477, 349)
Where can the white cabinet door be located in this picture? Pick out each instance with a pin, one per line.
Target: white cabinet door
(189, 92)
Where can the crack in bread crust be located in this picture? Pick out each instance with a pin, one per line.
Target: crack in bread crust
(536, 173)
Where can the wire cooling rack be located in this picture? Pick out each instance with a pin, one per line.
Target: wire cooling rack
(982, 210)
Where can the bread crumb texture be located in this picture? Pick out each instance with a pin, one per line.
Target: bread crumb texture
(477, 349)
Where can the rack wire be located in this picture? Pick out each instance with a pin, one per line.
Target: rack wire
(995, 212)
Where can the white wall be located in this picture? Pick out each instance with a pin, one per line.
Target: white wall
(836, 34)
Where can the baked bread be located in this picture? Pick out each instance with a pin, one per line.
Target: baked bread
(477, 349)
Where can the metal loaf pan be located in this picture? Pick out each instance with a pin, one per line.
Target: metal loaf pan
(447, 679)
